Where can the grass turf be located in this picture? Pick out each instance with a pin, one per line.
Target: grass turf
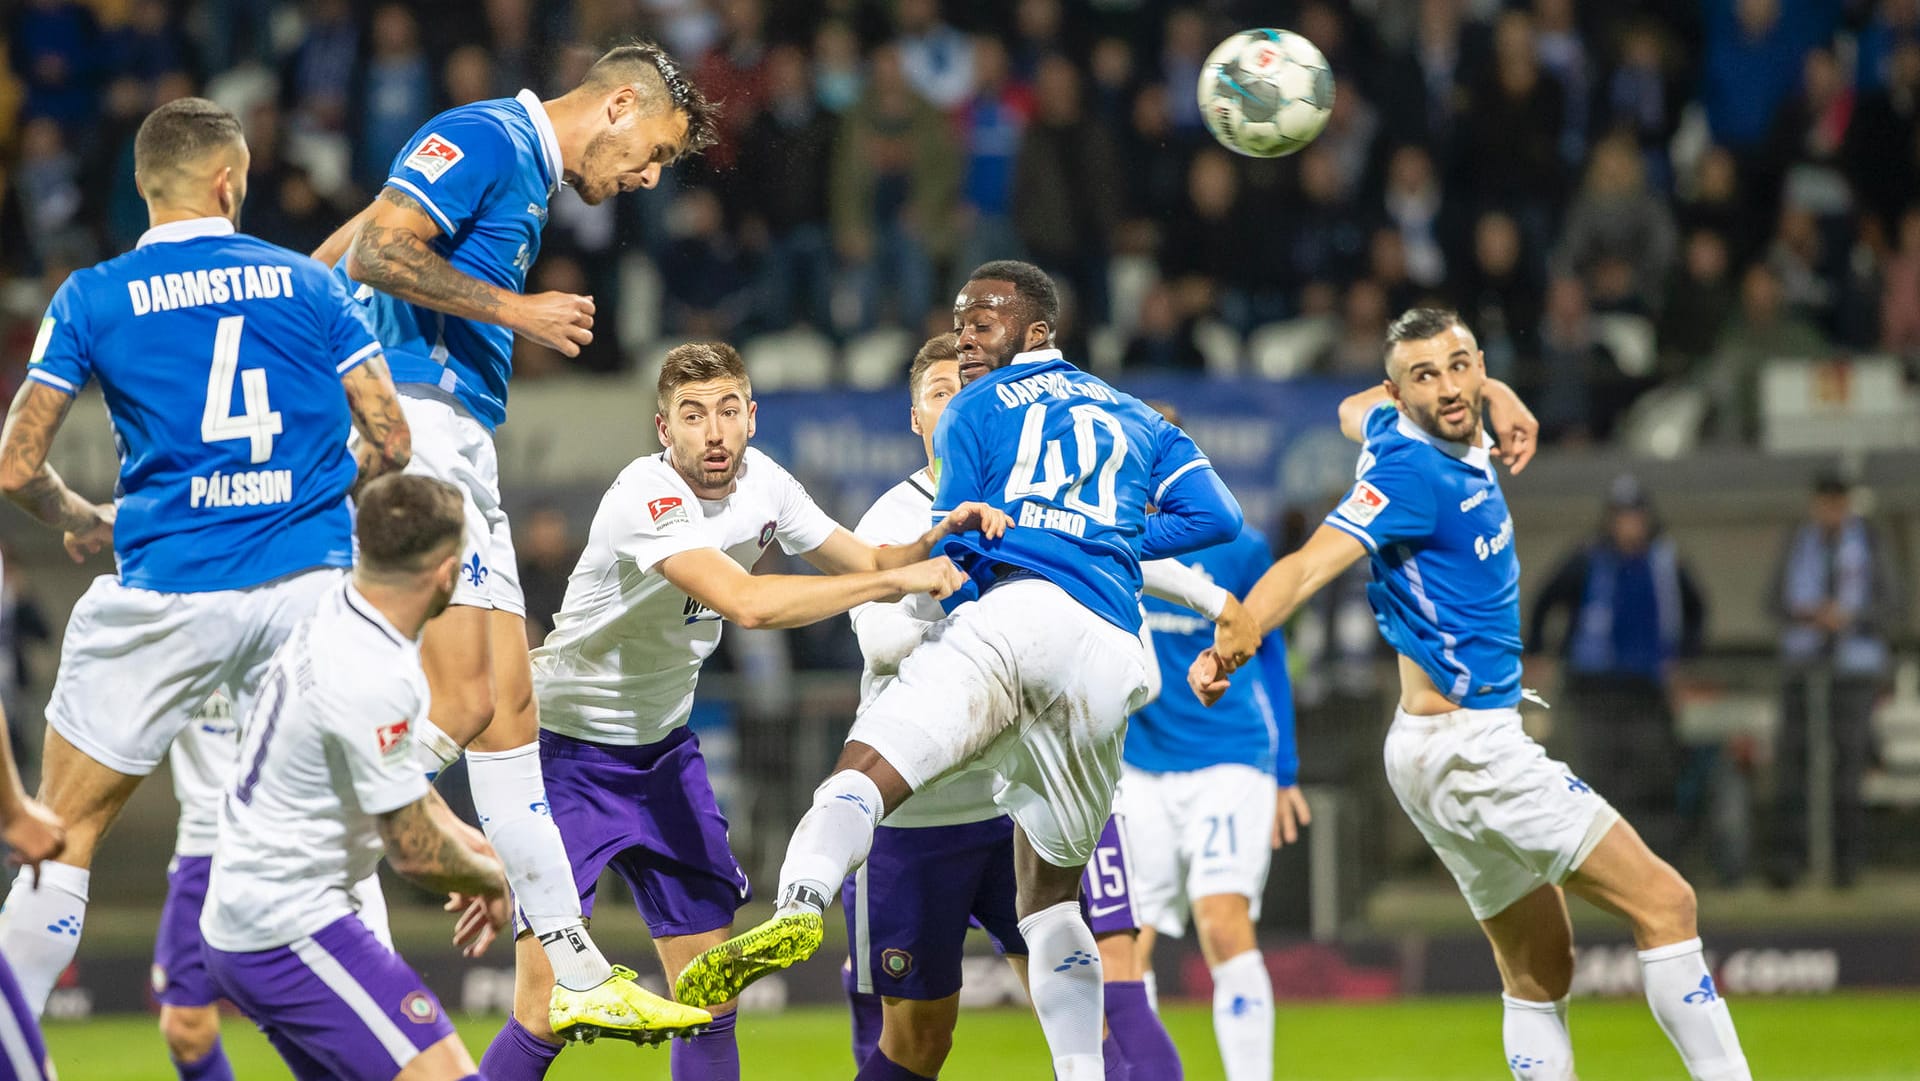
(1856, 1037)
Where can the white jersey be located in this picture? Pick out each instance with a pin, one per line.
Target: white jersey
(624, 657)
(201, 760)
(327, 751)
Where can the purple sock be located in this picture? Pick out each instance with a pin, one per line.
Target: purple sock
(517, 1055)
(212, 1066)
(1138, 1031)
(879, 1067)
(867, 1018)
(1115, 1060)
(714, 1055)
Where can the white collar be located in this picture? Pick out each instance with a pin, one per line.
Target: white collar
(1038, 356)
(364, 608)
(186, 229)
(1476, 456)
(543, 124)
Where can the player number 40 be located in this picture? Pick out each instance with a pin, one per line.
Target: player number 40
(1027, 481)
(220, 423)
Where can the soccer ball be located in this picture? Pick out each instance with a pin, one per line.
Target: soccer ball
(1265, 93)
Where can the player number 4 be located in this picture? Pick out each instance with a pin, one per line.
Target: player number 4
(219, 423)
(1026, 481)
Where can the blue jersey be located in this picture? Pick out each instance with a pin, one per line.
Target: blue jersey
(483, 172)
(1446, 580)
(1074, 463)
(220, 358)
(1252, 724)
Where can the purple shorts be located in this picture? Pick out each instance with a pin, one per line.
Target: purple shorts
(336, 1004)
(179, 967)
(649, 813)
(23, 1054)
(1106, 892)
(909, 906)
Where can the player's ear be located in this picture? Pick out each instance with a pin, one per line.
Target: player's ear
(913, 419)
(1038, 335)
(660, 422)
(1393, 390)
(619, 104)
(753, 418)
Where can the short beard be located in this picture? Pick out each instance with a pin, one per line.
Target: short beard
(701, 479)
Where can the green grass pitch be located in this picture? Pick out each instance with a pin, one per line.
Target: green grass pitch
(1838, 1038)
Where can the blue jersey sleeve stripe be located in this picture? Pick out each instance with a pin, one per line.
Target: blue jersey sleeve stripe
(1197, 463)
(439, 216)
(365, 353)
(1345, 526)
(41, 375)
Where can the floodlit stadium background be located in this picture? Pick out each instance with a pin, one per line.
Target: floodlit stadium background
(1689, 233)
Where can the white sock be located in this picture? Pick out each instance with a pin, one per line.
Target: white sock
(1152, 986)
(1064, 973)
(1536, 1039)
(833, 838)
(1243, 1017)
(1692, 1013)
(433, 750)
(511, 800)
(42, 928)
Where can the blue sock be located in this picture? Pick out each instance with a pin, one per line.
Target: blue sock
(714, 1055)
(1115, 1060)
(879, 1067)
(1141, 1036)
(517, 1055)
(867, 1017)
(212, 1066)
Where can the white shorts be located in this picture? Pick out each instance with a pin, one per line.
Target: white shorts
(1196, 834)
(1031, 686)
(136, 664)
(452, 446)
(1502, 816)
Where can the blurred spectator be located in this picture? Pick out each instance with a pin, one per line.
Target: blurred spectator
(510, 32)
(1582, 390)
(705, 274)
(735, 72)
(1110, 83)
(785, 160)
(1157, 159)
(1163, 336)
(1643, 97)
(1324, 238)
(992, 123)
(1500, 297)
(1900, 291)
(1753, 61)
(1761, 330)
(1206, 239)
(1632, 612)
(468, 75)
(21, 623)
(937, 58)
(1067, 185)
(1563, 54)
(290, 211)
(1355, 353)
(837, 75)
(1417, 206)
(1038, 32)
(1717, 201)
(1838, 600)
(1699, 301)
(1895, 23)
(1424, 93)
(399, 93)
(146, 46)
(1812, 124)
(1881, 155)
(53, 47)
(1183, 49)
(895, 182)
(1808, 275)
(547, 552)
(1617, 225)
(319, 74)
(1387, 267)
(112, 199)
(1513, 131)
(47, 182)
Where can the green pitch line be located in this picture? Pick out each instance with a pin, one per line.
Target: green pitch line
(1839, 1038)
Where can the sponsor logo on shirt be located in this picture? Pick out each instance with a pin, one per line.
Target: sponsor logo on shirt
(1475, 500)
(1364, 505)
(1485, 547)
(434, 156)
(667, 511)
(391, 736)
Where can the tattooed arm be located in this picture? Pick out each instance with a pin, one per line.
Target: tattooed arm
(30, 482)
(385, 443)
(392, 251)
(335, 246)
(425, 851)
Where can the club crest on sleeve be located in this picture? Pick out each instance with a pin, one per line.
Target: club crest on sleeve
(766, 534)
(1364, 505)
(391, 736)
(434, 156)
(667, 511)
(419, 1008)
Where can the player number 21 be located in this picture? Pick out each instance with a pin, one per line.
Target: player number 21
(219, 423)
(1027, 481)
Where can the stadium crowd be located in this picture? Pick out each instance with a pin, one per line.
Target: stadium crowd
(1615, 195)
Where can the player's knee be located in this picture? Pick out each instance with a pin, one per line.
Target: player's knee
(1673, 910)
(464, 712)
(190, 1032)
(921, 1048)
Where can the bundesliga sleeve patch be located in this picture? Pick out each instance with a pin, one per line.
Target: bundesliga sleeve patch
(391, 737)
(667, 511)
(1364, 505)
(434, 156)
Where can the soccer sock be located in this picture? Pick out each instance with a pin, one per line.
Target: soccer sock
(511, 800)
(212, 1066)
(1151, 985)
(517, 1055)
(867, 1016)
(1118, 1069)
(1692, 1013)
(1064, 973)
(1143, 1039)
(433, 750)
(833, 837)
(878, 1067)
(714, 1055)
(1537, 1043)
(42, 931)
(1243, 1017)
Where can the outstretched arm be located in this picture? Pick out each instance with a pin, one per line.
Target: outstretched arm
(1274, 598)
(711, 577)
(386, 443)
(26, 478)
(424, 851)
(843, 552)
